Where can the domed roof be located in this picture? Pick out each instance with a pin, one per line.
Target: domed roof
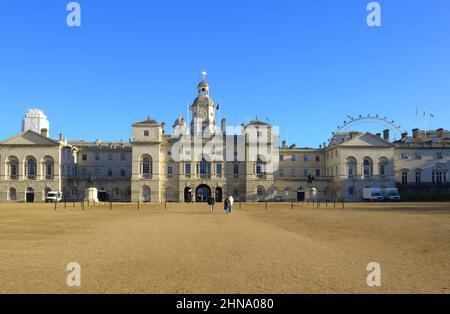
(203, 100)
(180, 122)
(203, 84)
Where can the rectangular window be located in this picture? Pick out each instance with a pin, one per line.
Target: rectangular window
(97, 156)
(317, 173)
(418, 155)
(293, 172)
(110, 156)
(187, 169)
(83, 172)
(317, 158)
(305, 157)
(404, 156)
(122, 172)
(219, 169)
(110, 172)
(439, 155)
(281, 172)
(294, 158)
(170, 170)
(84, 157)
(236, 170)
(146, 133)
(281, 157)
(122, 157)
(305, 172)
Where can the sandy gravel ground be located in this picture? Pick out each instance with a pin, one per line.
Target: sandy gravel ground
(184, 249)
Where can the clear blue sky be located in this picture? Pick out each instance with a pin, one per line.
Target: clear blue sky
(303, 64)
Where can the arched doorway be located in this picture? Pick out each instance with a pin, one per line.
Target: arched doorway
(188, 195)
(219, 195)
(29, 195)
(202, 193)
(12, 194)
(146, 194)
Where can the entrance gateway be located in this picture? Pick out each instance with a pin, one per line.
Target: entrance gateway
(202, 193)
(29, 195)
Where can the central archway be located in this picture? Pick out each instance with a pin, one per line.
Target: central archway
(202, 193)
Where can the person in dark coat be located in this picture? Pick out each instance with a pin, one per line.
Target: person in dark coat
(211, 202)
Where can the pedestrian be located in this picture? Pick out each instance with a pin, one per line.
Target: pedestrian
(229, 204)
(211, 202)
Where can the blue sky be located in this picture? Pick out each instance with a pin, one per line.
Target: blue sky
(304, 64)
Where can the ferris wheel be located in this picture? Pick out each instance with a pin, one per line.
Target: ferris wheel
(351, 122)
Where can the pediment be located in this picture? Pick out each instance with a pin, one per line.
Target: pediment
(367, 140)
(29, 138)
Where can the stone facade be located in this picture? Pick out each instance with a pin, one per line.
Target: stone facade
(146, 170)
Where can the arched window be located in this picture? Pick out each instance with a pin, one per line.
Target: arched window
(367, 167)
(30, 168)
(351, 167)
(439, 174)
(48, 168)
(146, 166)
(404, 176)
(383, 166)
(12, 164)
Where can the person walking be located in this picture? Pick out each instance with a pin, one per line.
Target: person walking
(226, 205)
(211, 202)
(229, 204)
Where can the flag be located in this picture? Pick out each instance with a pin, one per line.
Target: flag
(417, 112)
(349, 116)
(431, 115)
(424, 113)
(218, 106)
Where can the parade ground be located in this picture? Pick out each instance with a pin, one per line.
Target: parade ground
(182, 248)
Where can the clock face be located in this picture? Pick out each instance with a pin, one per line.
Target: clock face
(202, 114)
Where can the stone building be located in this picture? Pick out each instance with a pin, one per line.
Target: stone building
(202, 157)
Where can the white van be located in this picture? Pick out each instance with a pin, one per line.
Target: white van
(390, 194)
(373, 194)
(53, 197)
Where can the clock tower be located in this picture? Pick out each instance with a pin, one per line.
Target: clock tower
(203, 110)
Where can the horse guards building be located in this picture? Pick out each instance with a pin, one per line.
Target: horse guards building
(249, 163)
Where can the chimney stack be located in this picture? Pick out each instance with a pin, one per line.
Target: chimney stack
(404, 135)
(60, 137)
(440, 132)
(386, 135)
(415, 133)
(44, 132)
